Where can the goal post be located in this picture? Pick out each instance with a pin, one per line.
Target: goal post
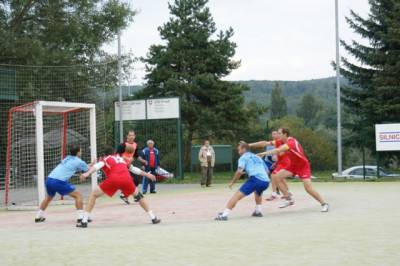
(38, 136)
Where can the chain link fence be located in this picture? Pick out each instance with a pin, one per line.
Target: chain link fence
(86, 84)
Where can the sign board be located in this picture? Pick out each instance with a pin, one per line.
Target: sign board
(163, 108)
(131, 110)
(387, 137)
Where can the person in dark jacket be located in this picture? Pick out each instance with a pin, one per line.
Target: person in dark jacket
(151, 156)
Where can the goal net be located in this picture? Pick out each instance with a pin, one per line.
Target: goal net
(39, 135)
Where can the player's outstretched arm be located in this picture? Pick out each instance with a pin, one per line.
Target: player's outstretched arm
(278, 150)
(137, 171)
(261, 144)
(236, 177)
(261, 154)
(92, 169)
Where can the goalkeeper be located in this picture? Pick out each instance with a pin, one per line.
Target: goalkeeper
(57, 182)
(130, 157)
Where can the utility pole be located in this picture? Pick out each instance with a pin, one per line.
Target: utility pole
(121, 121)
(338, 100)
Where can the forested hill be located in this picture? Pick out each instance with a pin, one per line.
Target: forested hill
(260, 91)
(323, 89)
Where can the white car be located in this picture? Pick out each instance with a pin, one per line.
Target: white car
(357, 172)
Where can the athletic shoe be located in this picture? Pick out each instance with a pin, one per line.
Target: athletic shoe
(325, 207)
(290, 195)
(80, 220)
(156, 220)
(286, 203)
(124, 199)
(153, 192)
(208, 186)
(220, 217)
(40, 220)
(271, 198)
(257, 214)
(82, 225)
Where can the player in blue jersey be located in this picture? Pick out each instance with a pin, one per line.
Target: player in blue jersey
(271, 161)
(57, 182)
(258, 181)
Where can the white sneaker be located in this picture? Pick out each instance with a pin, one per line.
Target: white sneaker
(286, 203)
(271, 198)
(325, 207)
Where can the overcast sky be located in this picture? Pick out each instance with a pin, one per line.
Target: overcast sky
(277, 40)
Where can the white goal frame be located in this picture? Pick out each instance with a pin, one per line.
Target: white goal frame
(38, 108)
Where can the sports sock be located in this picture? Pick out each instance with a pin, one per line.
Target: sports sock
(258, 208)
(40, 213)
(274, 194)
(151, 215)
(226, 212)
(80, 214)
(85, 217)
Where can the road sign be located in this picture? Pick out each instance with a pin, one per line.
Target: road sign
(387, 137)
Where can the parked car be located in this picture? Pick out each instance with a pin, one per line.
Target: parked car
(357, 172)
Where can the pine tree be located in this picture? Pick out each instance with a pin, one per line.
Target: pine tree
(190, 64)
(373, 96)
(308, 109)
(278, 107)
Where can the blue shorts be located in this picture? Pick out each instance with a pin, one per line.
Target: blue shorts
(253, 184)
(268, 165)
(54, 186)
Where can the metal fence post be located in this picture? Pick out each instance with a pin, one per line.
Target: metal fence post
(179, 140)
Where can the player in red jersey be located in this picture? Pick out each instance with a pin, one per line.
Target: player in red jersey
(117, 175)
(298, 166)
(280, 161)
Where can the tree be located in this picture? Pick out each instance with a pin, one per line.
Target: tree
(59, 32)
(309, 109)
(190, 64)
(278, 107)
(44, 34)
(38, 35)
(375, 78)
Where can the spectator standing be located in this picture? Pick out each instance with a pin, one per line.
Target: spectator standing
(151, 161)
(207, 162)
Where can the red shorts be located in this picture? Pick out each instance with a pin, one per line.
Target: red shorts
(111, 185)
(300, 169)
(281, 164)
